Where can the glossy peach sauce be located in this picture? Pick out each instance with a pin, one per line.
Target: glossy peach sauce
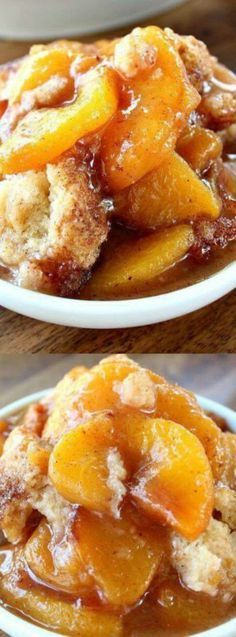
(168, 609)
(184, 273)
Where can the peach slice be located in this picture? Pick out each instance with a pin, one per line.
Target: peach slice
(39, 458)
(3, 432)
(99, 392)
(223, 460)
(178, 404)
(59, 565)
(65, 393)
(143, 134)
(45, 134)
(122, 557)
(172, 192)
(57, 614)
(199, 147)
(140, 261)
(175, 484)
(80, 395)
(36, 69)
(86, 468)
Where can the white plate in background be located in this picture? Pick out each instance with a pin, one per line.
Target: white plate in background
(16, 626)
(117, 314)
(30, 19)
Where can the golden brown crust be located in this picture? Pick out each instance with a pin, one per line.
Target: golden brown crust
(210, 78)
(66, 391)
(198, 61)
(77, 221)
(7, 73)
(24, 485)
(209, 563)
(53, 225)
(18, 479)
(35, 418)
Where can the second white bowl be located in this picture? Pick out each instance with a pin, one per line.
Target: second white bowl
(116, 314)
(29, 19)
(16, 626)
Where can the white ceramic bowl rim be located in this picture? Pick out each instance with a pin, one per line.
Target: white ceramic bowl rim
(118, 314)
(17, 626)
(24, 19)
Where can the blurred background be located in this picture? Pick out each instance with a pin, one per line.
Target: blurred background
(211, 375)
(214, 21)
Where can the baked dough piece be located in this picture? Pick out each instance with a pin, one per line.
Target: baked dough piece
(25, 487)
(52, 226)
(208, 564)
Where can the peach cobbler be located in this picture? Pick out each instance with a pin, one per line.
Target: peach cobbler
(117, 164)
(118, 508)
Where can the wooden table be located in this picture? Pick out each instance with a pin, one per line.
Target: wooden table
(210, 329)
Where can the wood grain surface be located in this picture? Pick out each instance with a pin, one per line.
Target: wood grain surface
(212, 329)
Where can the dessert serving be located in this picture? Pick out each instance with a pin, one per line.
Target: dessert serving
(118, 508)
(117, 164)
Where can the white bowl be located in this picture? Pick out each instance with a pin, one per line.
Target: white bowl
(16, 626)
(29, 19)
(115, 314)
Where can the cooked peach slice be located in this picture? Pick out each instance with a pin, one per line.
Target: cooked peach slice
(122, 557)
(44, 134)
(87, 469)
(3, 431)
(143, 133)
(84, 393)
(135, 434)
(59, 565)
(172, 192)
(140, 261)
(57, 614)
(39, 458)
(38, 68)
(80, 395)
(223, 460)
(59, 420)
(199, 147)
(181, 406)
(175, 486)
(100, 392)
